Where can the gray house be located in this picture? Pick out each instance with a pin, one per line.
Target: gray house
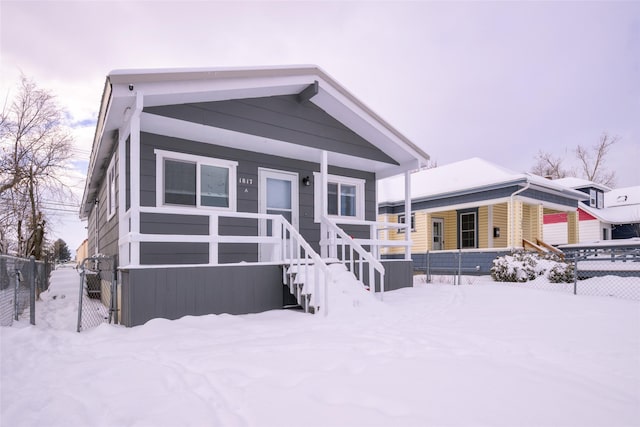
(232, 190)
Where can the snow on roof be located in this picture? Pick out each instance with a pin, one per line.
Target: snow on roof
(574, 182)
(622, 206)
(465, 175)
(622, 196)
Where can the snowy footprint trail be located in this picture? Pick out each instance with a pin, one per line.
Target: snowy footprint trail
(429, 355)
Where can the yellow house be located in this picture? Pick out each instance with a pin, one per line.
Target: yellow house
(82, 251)
(477, 207)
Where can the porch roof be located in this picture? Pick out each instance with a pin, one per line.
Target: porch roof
(471, 176)
(165, 87)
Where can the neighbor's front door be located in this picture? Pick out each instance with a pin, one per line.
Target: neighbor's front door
(278, 195)
(438, 231)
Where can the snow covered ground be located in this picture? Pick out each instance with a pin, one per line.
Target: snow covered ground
(476, 354)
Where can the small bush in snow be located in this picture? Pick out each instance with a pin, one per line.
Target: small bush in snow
(562, 272)
(521, 266)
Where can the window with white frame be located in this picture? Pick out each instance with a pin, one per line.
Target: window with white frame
(467, 229)
(401, 220)
(197, 181)
(111, 189)
(345, 196)
(600, 201)
(592, 197)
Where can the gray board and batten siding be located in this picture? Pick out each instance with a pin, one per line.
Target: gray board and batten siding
(480, 197)
(172, 292)
(247, 201)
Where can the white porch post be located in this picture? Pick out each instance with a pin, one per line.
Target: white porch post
(135, 180)
(490, 226)
(324, 171)
(407, 213)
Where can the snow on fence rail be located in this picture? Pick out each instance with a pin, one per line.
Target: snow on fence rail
(21, 281)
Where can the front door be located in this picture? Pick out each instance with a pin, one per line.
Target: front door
(438, 232)
(278, 195)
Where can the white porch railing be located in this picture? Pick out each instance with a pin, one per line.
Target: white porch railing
(378, 235)
(284, 245)
(336, 243)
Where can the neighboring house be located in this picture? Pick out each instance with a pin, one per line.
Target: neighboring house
(606, 214)
(208, 184)
(590, 227)
(478, 207)
(622, 211)
(82, 251)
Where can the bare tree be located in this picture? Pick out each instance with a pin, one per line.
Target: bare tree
(592, 161)
(35, 146)
(549, 166)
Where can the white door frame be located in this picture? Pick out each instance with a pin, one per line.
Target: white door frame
(441, 221)
(269, 252)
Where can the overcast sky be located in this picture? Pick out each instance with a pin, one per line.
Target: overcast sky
(497, 80)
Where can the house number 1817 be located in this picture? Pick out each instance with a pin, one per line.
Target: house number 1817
(246, 181)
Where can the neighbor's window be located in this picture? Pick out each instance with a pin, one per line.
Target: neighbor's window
(592, 197)
(345, 196)
(111, 190)
(600, 202)
(467, 223)
(195, 181)
(402, 219)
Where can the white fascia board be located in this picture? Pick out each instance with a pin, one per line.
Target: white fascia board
(364, 124)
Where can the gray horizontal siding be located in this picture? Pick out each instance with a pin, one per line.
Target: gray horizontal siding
(248, 164)
(171, 293)
(155, 223)
(278, 117)
(173, 253)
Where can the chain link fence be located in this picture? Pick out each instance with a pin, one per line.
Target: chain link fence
(97, 299)
(21, 282)
(606, 270)
(599, 270)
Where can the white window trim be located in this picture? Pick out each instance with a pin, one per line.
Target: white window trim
(413, 221)
(337, 179)
(475, 229)
(162, 155)
(112, 203)
(593, 196)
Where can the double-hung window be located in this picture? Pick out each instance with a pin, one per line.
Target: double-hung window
(111, 189)
(402, 219)
(196, 181)
(345, 196)
(467, 229)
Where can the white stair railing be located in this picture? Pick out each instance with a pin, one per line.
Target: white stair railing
(338, 244)
(303, 263)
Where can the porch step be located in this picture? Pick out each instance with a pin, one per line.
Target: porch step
(302, 287)
(293, 268)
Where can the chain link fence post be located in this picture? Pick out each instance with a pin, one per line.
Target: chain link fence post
(32, 290)
(575, 273)
(16, 309)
